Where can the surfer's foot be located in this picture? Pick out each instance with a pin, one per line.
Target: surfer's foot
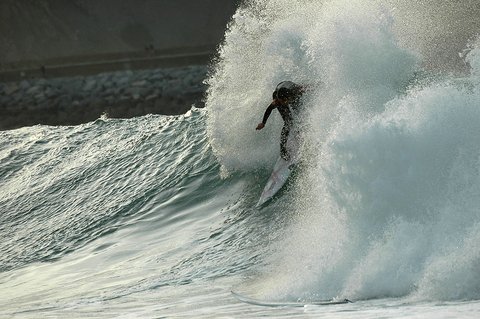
(285, 156)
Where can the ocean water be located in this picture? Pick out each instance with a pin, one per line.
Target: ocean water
(154, 217)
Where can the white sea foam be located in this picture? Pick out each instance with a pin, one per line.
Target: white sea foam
(389, 204)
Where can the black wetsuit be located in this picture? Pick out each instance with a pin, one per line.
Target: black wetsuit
(293, 92)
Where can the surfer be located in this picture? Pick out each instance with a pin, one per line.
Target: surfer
(286, 98)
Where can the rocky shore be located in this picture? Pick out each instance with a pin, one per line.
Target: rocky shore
(121, 94)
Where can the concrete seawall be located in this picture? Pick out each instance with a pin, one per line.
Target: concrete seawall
(36, 33)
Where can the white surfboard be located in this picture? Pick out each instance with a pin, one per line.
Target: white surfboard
(281, 170)
(271, 303)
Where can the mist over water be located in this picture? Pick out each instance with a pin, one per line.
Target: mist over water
(386, 203)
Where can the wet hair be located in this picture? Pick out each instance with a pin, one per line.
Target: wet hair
(282, 93)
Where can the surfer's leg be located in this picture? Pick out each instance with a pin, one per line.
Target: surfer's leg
(283, 142)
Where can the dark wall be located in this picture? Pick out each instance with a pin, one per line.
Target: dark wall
(33, 32)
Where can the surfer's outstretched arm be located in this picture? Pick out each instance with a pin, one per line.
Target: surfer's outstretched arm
(268, 111)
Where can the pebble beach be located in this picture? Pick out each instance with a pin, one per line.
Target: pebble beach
(121, 94)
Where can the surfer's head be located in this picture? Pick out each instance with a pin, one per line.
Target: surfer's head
(282, 95)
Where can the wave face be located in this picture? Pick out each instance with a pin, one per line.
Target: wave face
(66, 186)
(386, 204)
(113, 210)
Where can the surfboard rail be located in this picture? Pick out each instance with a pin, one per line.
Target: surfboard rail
(279, 303)
(281, 170)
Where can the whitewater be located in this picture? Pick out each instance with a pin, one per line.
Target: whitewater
(154, 216)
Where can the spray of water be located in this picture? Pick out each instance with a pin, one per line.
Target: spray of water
(387, 204)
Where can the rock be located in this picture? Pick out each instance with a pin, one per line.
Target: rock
(10, 88)
(40, 98)
(33, 90)
(41, 82)
(89, 85)
(50, 92)
(24, 85)
(153, 96)
(139, 83)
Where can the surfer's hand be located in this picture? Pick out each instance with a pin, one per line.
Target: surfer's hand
(260, 126)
